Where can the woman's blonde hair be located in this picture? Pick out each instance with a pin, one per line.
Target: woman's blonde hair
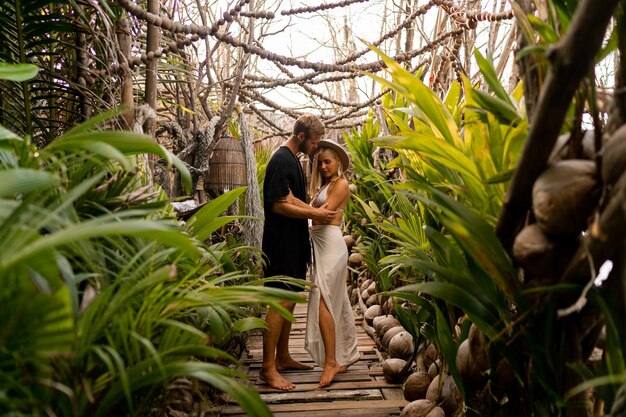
(316, 177)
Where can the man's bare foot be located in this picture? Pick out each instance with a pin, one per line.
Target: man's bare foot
(343, 369)
(290, 363)
(329, 372)
(275, 380)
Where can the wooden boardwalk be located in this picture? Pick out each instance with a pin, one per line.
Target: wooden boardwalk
(362, 391)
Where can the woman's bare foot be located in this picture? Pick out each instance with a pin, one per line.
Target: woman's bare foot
(329, 372)
(343, 369)
(290, 363)
(275, 380)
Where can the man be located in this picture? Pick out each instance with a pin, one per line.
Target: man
(286, 239)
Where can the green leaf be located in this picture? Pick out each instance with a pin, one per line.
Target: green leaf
(249, 323)
(489, 73)
(447, 347)
(435, 149)
(505, 111)
(433, 111)
(128, 143)
(500, 177)
(457, 296)
(22, 180)
(206, 221)
(7, 135)
(18, 72)
(165, 232)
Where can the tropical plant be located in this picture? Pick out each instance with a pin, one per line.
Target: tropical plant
(106, 297)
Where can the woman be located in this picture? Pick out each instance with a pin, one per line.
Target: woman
(330, 332)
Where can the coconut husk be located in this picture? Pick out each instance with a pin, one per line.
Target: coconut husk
(434, 369)
(422, 408)
(388, 305)
(401, 346)
(354, 296)
(468, 368)
(350, 241)
(477, 344)
(372, 300)
(389, 334)
(365, 284)
(393, 370)
(379, 321)
(446, 394)
(386, 325)
(564, 148)
(355, 259)
(564, 197)
(430, 354)
(372, 312)
(416, 385)
(540, 255)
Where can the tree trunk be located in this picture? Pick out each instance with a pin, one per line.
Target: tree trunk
(123, 54)
(572, 59)
(151, 67)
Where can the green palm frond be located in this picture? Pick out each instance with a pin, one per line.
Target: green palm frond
(52, 35)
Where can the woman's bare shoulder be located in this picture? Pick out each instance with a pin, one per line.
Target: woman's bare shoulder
(340, 185)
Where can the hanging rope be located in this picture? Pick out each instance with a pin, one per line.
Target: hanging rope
(252, 227)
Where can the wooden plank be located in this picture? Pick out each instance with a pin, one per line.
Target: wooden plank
(321, 395)
(318, 373)
(315, 377)
(335, 386)
(361, 406)
(383, 412)
(256, 366)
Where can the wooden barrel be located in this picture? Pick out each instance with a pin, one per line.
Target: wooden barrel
(227, 166)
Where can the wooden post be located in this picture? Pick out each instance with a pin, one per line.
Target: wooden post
(151, 67)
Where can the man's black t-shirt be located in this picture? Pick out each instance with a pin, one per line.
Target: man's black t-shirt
(285, 239)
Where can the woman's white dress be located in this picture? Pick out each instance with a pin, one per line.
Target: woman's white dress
(330, 269)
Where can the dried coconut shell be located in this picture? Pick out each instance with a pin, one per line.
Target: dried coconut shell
(365, 284)
(565, 195)
(393, 370)
(350, 241)
(377, 321)
(434, 369)
(540, 255)
(478, 347)
(565, 149)
(387, 325)
(372, 300)
(447, 396)
(388, 321)
(416, 385)
(614, 156)
(388, 305)
(355, 259)
(422, 408)
(389, 334)
(354, 296)
(401, 346)
(372, 312)
(466, 366)
(430, 354)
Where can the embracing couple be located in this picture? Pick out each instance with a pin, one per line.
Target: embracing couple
(330, 331)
